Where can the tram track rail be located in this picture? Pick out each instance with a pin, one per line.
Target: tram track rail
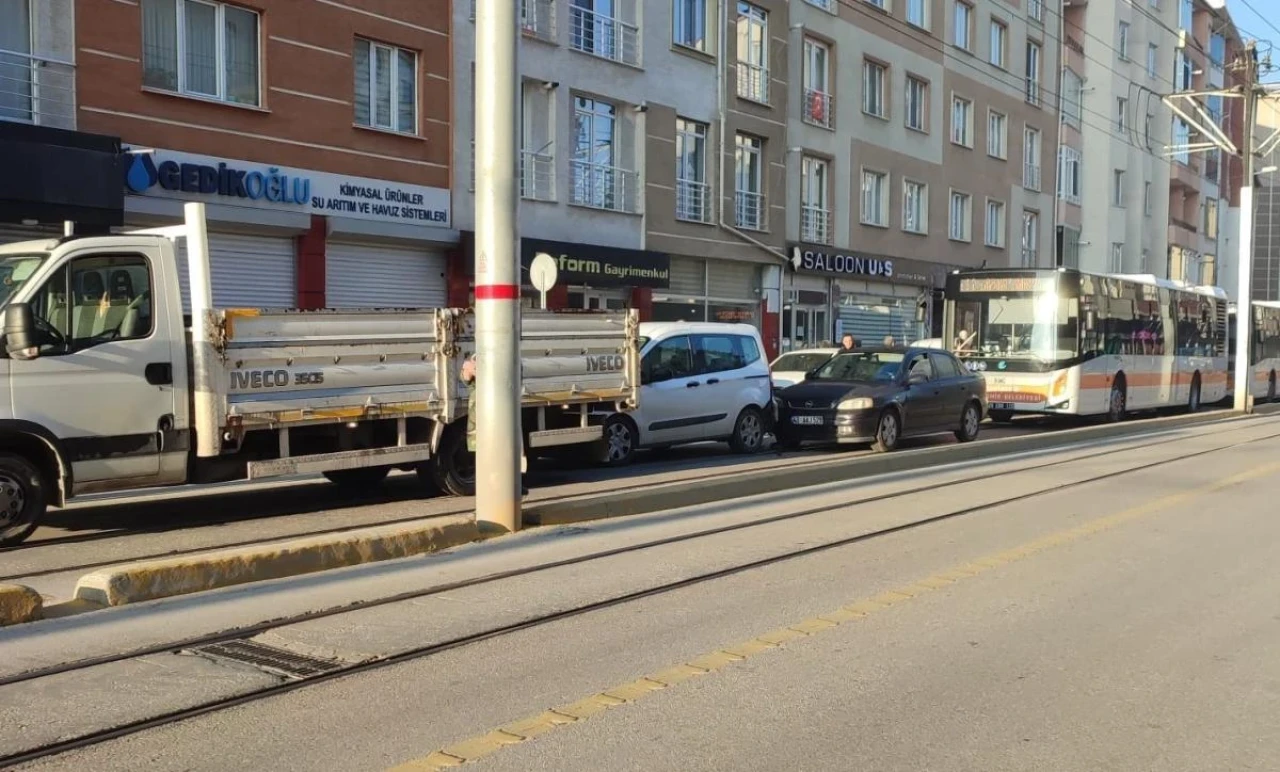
(96, 737)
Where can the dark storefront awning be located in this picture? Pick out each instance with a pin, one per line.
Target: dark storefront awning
(51, 175)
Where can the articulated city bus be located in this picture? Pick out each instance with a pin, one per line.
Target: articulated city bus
(1264, 359)
(1071, 343)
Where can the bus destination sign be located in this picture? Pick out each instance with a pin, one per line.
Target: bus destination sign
(1005, 284)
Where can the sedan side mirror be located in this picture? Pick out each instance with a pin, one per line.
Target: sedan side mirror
(19, 332)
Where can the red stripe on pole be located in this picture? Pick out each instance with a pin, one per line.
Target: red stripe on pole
(497, 292)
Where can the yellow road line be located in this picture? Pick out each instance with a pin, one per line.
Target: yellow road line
(479, 747)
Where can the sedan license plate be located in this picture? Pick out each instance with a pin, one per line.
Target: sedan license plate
(806, 420)
(1002, 406)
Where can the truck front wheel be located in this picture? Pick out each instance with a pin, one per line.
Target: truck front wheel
(358, 480)
(453, 469)
(22, 499)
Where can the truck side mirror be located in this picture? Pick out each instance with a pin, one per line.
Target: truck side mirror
(19, 332)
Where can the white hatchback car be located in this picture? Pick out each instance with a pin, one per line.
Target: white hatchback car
(699, 382)
(791, 368)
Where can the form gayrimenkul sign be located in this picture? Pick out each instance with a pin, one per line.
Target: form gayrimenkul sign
(190, 177)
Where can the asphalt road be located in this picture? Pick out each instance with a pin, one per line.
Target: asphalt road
(1127, 621)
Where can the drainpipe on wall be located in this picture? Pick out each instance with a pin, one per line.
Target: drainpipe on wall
(1053, 190)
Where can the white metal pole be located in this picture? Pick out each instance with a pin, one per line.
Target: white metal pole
(206, 413)
(499, 438)
(1242, 392)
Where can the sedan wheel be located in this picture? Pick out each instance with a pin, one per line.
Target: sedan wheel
(888, 432)
(970, 420)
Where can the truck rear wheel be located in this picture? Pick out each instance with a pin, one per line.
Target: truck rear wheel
(453, 468)
(23, 500)
(358, 480)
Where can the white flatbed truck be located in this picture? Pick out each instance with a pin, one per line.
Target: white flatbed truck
(106, 385)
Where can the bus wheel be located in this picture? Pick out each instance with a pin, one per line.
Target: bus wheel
(1193, 402)
(1271, 387)
(1117, 404)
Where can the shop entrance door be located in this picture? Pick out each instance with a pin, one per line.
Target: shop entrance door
(597, 299)
(805, 326)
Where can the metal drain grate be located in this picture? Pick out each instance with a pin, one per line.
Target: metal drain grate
(269, 658)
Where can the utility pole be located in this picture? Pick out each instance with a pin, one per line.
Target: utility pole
(1243, 390)
(499, 438)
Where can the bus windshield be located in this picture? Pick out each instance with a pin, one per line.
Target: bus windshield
(14, 272)
(1040, 326)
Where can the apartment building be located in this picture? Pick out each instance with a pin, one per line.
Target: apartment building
(920, 132)
(1139, 191)
(318, 134)
(649, 191)
(1266, 217)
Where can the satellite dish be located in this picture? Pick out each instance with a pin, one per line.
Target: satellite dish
(543, 274)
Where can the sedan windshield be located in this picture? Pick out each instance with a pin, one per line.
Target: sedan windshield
(861, 366)
(799, 362)
(14, 272)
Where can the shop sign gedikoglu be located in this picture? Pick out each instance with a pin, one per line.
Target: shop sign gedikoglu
(189, 177)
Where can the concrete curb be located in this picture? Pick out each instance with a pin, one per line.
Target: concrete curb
(149, 580)
(761, 481)
(19, 604)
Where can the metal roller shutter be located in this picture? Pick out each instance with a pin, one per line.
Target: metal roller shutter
(688, 277)
(729, 279)
(870, 319)
(379, 276)
(247, 271)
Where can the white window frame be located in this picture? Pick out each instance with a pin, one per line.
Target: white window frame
(220, 22)
(997, 134)
(1117, 188)
(1122, 114)
(1072, 98)
(1146, 199)
(1115, 263)
(815, 200)
(880, 217)
(694, 202)
(873, 70)
(689, 9)
(962, 36)
(816, 83)
(753, 60)
(962, 130)
(959, 228)
(1030, 238)
(917, 13)
(916, 105)
(1153, 60)
(995, 236)
(1069, 158)
(1035, 64)
(750, 144)
(998, 55)
(1122, 47)
(1032, 173)
(921, 207)
(1035, 11)
(394, 58)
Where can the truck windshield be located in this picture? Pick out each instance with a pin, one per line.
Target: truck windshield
(14, 272)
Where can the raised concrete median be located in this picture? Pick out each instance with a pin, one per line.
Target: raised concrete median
(19, 604)
(149, 580)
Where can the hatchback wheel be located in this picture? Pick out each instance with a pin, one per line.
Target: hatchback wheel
(888, 432)
(970, 420)
(620, 440)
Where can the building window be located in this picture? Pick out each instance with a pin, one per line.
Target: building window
(1146, 261)
(1122, 114)
(873, 82)
(961, 121)
(689, 24)
(1072, 98)
(1153, 60)
(995, 223)
(201, 49)
(1186, 12)
(815, 212)
(826, 5)
(999, 44)
(961, 220)
(1181, 140)
(753, 53)
(598, 180)
(1069, 175)
(386, 87)
(1031, 158)
(1146, 198)
(1030, 238)
(918, 13)
(1035, 10)
(1123, 43)
(748, 194)
(817, 88)
(1034, 53)
(1117, 187)
(1116, 264)
(595, 28)
(1184, 72)
(1211, 219)
(881, 4)
(875, 201)
(915, 207)
(997, 135)
(917, 107)
(962, 32)
(693, 194)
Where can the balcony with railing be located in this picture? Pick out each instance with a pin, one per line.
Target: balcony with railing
(693, 201)
(38, 90)
(1031, 176)
(604, 36)
(817, 108)
(749, 210)
(600, 186)
(537, 175)
(1030, 257)
(815, 224)
(1033, 91)
(537, 19)
(753, 82)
